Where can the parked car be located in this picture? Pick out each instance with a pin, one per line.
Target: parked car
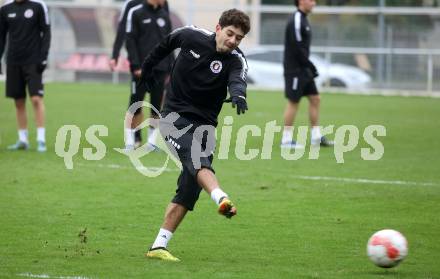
(266, 70)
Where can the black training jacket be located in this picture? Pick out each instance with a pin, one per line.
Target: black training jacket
(200, 76)
(122, 25)
(297, 44)
(27, 27)
(146, 27)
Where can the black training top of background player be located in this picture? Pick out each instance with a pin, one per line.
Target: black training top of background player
(28, 26)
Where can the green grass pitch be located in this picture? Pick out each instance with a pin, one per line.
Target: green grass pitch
(296, 219)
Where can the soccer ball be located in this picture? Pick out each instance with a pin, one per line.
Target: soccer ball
(387, 248)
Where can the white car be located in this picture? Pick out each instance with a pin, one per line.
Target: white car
(266, 71)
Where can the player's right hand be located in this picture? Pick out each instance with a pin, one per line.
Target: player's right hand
(146, 79)
(137, 73)
(314, 71)
(42, 66)
(113, 63)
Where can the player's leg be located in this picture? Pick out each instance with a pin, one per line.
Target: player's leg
(138, 118)
(174, 215)
(20, 110)
(314, 103)
(200, 165)
(293, 94)
(208, 181)
(23, 140)
(190, 183)
(187, 194)
(289, 117)
(34, 80)
(39, 112)
(156, 97)
(139, 95)
(315, 134)
(314, 106)
(16, 89)
(135, 117)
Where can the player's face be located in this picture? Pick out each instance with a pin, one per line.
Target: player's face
(307, 5)
(228, 38)
(154, 2)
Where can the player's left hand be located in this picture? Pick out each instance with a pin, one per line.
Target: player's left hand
(239, 102)
(113, 63)
(315, 72)
(42, 66)
(147, 80)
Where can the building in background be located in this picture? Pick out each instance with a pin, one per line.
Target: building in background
(393, 41)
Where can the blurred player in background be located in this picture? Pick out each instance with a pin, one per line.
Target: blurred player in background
(208, 65)
(146, 25)
(299, 74)
(120, 33)
(26, 25)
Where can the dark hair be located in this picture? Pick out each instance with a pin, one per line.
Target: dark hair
(296, 2)
(235, 18)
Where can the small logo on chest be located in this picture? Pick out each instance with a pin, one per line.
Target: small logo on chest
(161, 22)
(12, 15)
(216, 66)
(28, 13)
(146, 21)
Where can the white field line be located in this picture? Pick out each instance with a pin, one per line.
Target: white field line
(30, 275)
(304, 177)
(116, 166)
(364, 180)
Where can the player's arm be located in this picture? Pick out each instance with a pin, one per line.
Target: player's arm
(3, 32)
(120, 33)
(132, 34)
(44, 24)
(300, 47)
(174, 40)
(237, 83)
(171, 58)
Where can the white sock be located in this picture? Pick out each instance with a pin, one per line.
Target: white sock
(23, 135)
(316, 133)
(217, 194)
(41, 134)
(287, 134)
(162, 238)
(152, 135)
(129, 137)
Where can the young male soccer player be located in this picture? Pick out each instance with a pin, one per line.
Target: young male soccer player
(27, 25)
(208, 65)
(299, 74)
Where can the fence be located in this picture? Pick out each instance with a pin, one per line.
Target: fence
(397, 46)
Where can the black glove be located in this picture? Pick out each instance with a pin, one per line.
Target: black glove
(42, 66)
(239, 102)
(315, 72)
(1, 72)
(147, 80)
